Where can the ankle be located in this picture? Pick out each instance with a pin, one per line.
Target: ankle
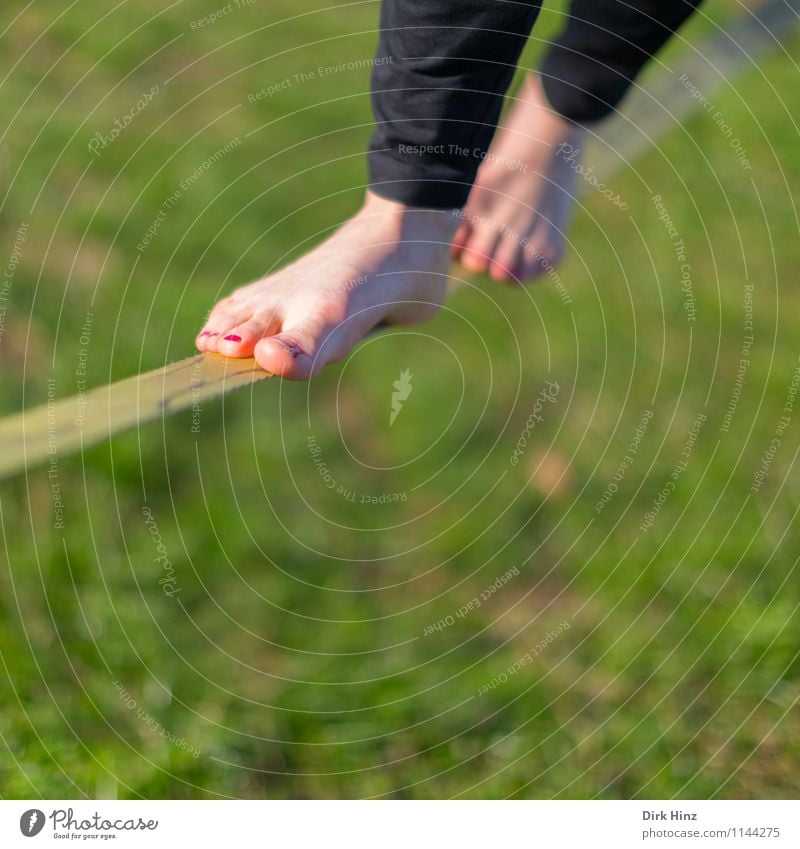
(533, 91)
(412, 222)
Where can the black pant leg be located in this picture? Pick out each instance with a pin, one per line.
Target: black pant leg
(605, 44)
(441, 71)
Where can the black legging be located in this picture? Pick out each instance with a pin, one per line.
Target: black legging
(443, 67)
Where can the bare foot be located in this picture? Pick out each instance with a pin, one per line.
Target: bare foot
(387, 264)
(520, 206)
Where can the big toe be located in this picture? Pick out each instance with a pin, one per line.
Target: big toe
(294, 353)
(478, 250)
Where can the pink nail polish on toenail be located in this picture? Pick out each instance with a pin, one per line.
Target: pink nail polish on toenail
(233, 338)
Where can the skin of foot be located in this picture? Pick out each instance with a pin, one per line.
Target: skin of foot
(521, 203)
(387, 264)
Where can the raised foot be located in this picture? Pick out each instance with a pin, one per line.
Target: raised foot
(387, 264)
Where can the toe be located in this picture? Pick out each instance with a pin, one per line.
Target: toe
(201, 340)
(214, 334)
(305, 346)
(292, 353)
(241, 340)
(220, 323)
(460, 239)
(477, 253)
(507, 263)
(541, 257)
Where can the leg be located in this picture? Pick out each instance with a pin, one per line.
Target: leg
(438, 86)
(522, 201)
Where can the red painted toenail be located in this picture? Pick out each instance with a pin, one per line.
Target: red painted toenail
(233, 338)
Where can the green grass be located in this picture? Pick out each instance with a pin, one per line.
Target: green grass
(294, 658)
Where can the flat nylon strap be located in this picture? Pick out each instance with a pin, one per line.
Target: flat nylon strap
(63, 426)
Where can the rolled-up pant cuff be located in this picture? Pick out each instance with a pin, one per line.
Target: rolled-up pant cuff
(419, 180)
(581, 90)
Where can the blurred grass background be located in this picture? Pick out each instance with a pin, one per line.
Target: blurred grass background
(294, 658)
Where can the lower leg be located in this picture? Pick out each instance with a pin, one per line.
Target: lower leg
(604, 46)
(517, 213)
(521, 204)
